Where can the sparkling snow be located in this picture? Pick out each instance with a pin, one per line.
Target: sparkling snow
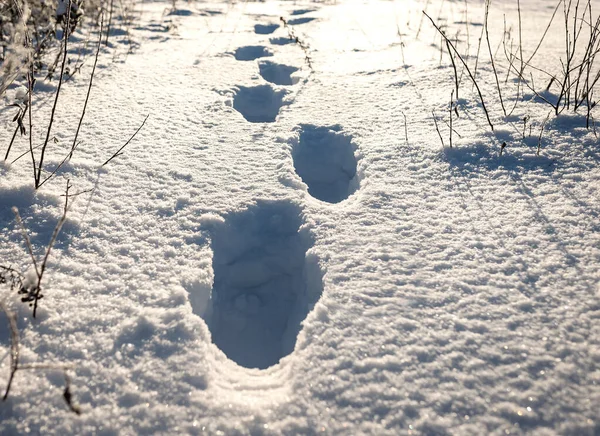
(277, 252)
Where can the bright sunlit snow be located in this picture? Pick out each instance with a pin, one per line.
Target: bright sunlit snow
(286, 247)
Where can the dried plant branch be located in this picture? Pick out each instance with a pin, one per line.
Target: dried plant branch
(33, 291)
(487, 38)
(305, 48)
(437, 128)
(539, 147)
(66, 35)
(405, 128)
(453, 67)
(26, 239)
(451, 110)
(16, 366)
(110, 14)
(119, 151)
(466, 68)
(74, 145)
(14, 345)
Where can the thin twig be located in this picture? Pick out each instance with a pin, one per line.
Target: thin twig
(55, 233)
(405, 128)
(421, 21)
(545, 32)
(539, 147)
(437, 128)
(478, 52)
(27, 240)
(14, 345)
(466, 67)
(12, 140)
(60, 80)
(89, 88)
(451, 110)
(118, 153)
(305, 48)
(110, 13)
(30, 85)
(454, 67)
(59, 166)
(487, 38)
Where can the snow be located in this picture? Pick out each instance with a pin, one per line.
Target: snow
(277, 252)
(324, 159)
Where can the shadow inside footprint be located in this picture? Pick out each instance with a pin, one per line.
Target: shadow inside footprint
(277, 73)
(264, 283)
(302, 20)
(324, 159)
(265, 29)
(180, 12)
(302, 11)
(258, 104)
(281, 40)
(251, 52)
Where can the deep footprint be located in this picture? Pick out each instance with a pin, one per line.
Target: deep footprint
(264, 283)
(251, 52)
(302, 11)
(281, 40)
(298, 21)
(265, 29)
(324, 159)
(258, 104)
(277, 74)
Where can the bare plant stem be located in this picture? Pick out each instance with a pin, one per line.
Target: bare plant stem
(89, 88)
(55, 233)
(14, 345)
(60, 80)
(545, 32)
(110, 13)
(118, 152)
(35, 293)
(437, 128)
(478, 52)
(15, 357)
(520, 46)
(421, 20)
(453, 67)
(292, 35)
(401, 44)
(26, 239)
(539, 147)
(30, 85)
(487, 38)
(405, 128)
(451, 110)
(467, 68)
(18, 128)
(468, 34)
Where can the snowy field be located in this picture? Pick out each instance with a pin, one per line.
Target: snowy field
(286, 247)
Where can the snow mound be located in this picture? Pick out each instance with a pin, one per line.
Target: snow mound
(324, 159)
(263, 286)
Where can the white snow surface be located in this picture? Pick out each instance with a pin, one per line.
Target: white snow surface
(273, 254)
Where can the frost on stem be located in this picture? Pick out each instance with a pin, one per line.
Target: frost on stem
(16, 50)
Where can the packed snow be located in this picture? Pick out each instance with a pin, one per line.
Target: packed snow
(286, 247)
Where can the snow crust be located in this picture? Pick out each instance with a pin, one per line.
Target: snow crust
(304, 257)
